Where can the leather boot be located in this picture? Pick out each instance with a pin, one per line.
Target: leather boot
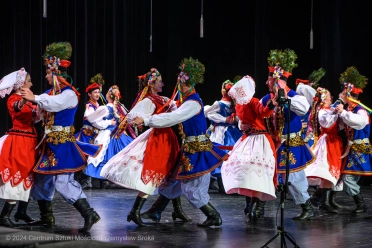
(211, 184)
(221, 188)
(87, 183)
(134, 214)
(316, 198)
(326, 205)
(213, 217)
(333, 203)
(154, 213)
(90, 216)
(260, 208)
(253, 211)
(21, 213)
(4, 216)
(247, 205)
(361, 207)
(307, 212)
(46, 214)
(178, 211)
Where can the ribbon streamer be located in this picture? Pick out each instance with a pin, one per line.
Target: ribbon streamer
(361, 104)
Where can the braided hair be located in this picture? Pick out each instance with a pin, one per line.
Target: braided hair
(115, 96)
(313, 120)
(317, 104)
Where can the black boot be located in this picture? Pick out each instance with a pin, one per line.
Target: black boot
(260, 208)
(247, 205)
(326, 205)
(4, 216)
(46, 214)
(90, 216)
(361, 207)
(221, 188)
(316, 198)
(307, 212)
(134, 214)
(211, 184)
(178, 212)
(213, 217)
(87, 183)
(154, 213)
(22, 213)
(333, 203)
(253, 211)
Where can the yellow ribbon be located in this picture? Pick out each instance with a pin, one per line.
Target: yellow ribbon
(361, 104)
(103, 101)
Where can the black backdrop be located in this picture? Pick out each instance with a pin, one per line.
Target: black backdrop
(112, 37)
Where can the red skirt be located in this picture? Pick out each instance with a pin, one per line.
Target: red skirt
(160, 155)
(18, 157)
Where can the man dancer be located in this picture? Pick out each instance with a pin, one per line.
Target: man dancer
(88, 132)
(358, 154)
(61, 154)
(281, 64)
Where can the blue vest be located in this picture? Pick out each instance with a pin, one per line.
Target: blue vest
(225, 111)
(87, 135)
(61, 153)
(358, 161)
(189, 127)
(300, 155)
(295, 120)
(85, 121)
(201, 162)
(110, 117)
(359, 134)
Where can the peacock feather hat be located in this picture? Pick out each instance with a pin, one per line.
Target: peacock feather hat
(313, 79)
(353, 81)
(192, 72)
(56, 56)
(282, 63)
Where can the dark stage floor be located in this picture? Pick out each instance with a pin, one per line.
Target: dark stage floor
(327, 230)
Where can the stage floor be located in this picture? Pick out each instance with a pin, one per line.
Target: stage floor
(327, 230)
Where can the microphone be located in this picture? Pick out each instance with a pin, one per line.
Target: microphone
(281, 97)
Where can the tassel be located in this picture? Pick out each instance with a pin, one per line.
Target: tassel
(311, 27)
(151, 27)
(45, 8)
(202, 21)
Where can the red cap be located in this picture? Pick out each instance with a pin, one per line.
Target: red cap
(298, 80)
(93, 86)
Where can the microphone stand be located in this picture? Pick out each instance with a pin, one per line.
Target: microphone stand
(284, 188)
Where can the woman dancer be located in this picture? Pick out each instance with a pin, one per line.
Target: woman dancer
(106, 118)
(223, 129)
(250, 169)
(327, 146)
(148, 160)
(17, 148)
